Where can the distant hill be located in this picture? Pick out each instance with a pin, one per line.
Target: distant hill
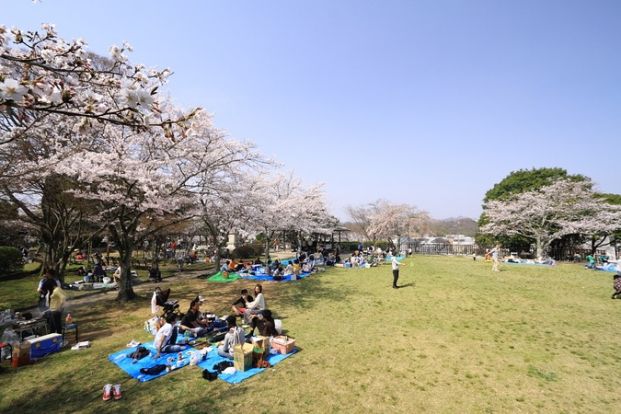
(453, 225)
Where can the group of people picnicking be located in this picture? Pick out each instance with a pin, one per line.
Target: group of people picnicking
(277, 269)
(194, 323)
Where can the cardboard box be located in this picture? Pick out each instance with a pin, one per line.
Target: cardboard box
(283, 344)
(21, 354)
(44, 345)
(262, 343)
(242, 357)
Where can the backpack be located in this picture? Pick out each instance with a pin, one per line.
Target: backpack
(210, 376)
(154, 370)
(139, 353)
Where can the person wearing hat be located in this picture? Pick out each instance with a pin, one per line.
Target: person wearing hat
(193, 320)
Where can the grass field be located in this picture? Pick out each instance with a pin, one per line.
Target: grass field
(455, 338)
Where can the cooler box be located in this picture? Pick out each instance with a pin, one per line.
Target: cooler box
(42, 346)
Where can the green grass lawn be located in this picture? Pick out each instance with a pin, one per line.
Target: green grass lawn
(456, 338)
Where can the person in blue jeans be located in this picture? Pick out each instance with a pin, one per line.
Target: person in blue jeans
(166, 337)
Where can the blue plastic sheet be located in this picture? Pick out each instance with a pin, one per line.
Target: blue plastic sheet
(127, 364)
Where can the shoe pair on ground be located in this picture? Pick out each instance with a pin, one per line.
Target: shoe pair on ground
(112, 390)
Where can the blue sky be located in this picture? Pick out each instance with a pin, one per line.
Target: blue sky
(423, 102)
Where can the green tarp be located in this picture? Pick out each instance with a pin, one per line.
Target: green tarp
(218, 278)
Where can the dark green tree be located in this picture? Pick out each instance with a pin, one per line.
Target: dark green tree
(515, 183)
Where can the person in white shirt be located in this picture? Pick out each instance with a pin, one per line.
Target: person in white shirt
(166, 338)
(395, 272)
(259, 301)
(255, 306)
(235, 336)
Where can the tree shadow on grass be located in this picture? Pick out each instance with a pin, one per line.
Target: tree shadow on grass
(307, 293)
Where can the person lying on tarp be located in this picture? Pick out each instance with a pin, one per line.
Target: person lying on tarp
(194, 321)
(166, 338)
(240, 302)
(234, 336)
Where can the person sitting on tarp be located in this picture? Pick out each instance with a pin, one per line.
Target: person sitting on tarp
(234, 336)
(247, 270)
(616, 282)
(193, 320)
(225, 268)
(590, 262)
(296, 267)
(234, 266)
(256, 305)
(258, 261)
(278, 273)
(240, 303)
(289, 269)
(265, 322)
(98, 272)
(166, 338)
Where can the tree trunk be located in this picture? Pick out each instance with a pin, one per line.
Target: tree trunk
(538, 247)
(126, 292)
(267, 248)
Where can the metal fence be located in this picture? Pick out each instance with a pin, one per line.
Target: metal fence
(444, 248)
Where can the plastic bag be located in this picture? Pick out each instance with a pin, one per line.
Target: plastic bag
(10, 336)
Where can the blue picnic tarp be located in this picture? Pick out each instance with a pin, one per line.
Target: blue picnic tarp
(266, 278)
(213, 358)
(127, 364)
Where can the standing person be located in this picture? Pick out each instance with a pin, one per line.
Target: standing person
(495, 260)
(57, 305)
(45, 288)
(395, 272)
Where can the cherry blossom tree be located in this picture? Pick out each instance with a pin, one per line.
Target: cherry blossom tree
(562, 208)
(283, 203)
(42, 74)
(145, 181)
(29, 182)
(361, 217)
(228, 203)
(390, 220)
